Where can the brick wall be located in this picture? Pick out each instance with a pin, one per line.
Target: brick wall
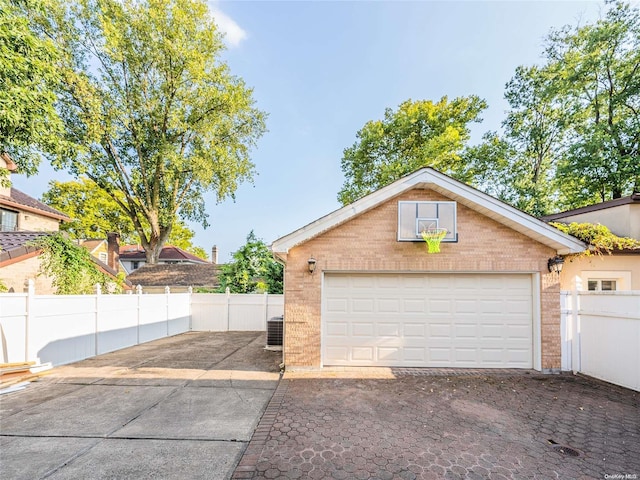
(368, 243)
(32, 222)
(16, 274)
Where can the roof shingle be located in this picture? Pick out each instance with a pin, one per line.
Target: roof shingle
(177, 274)
(20, 199)
(168, 253)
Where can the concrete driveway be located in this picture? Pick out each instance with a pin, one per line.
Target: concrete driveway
(406, 424)
(176, 408)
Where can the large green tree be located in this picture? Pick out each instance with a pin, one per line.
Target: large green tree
(519, 167)
(160, 119)
(94, 214)
(572, 134)
(29, 122)
(418, 134)
(252, 270)
(596, 69)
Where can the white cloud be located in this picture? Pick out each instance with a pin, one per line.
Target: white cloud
(234, 34)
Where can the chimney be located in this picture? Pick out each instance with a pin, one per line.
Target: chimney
(113, 250)
(214, 254)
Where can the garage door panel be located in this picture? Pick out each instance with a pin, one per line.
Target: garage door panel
(488, 306)
(389, 305)
(439, 356)
(414, 330)
(389, 354)
(465, 306)
(466, 331)
(364, 354)
(437, 320)
(437, 305)
(466, 355)
(389, 329)
(491, 332)
(362, 282)
(337, 305)
(363, 305)
(520, 356)
(340, 329)
(415, 354)
(465, 282)
(439, 331)
(413, 282)
(519, 332)
(414, 305)
(338, 354)
(362, 329)
(492, 356)
(518, 306)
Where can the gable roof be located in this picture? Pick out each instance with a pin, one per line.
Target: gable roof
(616, 202)
(180, 274)
(169, 253)
(464, 194)
(92, 244)
(22, 201)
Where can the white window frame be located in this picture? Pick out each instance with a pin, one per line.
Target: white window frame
(14, 214)
(621, 277)
(599, 284)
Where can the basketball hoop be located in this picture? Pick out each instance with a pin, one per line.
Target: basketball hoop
(433, 237)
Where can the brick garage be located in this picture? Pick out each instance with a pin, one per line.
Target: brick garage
(375, 300)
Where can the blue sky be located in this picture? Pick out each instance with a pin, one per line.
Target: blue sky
(323, 69)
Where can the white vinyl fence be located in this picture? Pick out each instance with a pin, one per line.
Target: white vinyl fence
(220, 312)
(66, 328)
(601, 335)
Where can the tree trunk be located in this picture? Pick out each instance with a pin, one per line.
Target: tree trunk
(155, 244)
(153, 252)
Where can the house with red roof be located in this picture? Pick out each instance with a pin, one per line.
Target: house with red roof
(133, 257)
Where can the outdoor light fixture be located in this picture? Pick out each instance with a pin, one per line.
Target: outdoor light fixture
(312, 264)
(555, 264)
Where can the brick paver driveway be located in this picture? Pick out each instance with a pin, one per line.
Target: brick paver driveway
(413, 425)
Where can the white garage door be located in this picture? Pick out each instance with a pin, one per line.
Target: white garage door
(428, 320)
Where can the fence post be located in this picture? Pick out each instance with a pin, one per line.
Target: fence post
(266, 309)
(190, 308)
(227, 292)
(167, 293)
(31, 292)
(575, 332)
(97, 325)
(139, 295)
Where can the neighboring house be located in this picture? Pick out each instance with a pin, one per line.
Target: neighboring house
(178, 277)
(20, 262)
(377, 298)
(97, 247)
(20, 212)
(25, 219)
(133, 257)
(107, 251)
(621, 269)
